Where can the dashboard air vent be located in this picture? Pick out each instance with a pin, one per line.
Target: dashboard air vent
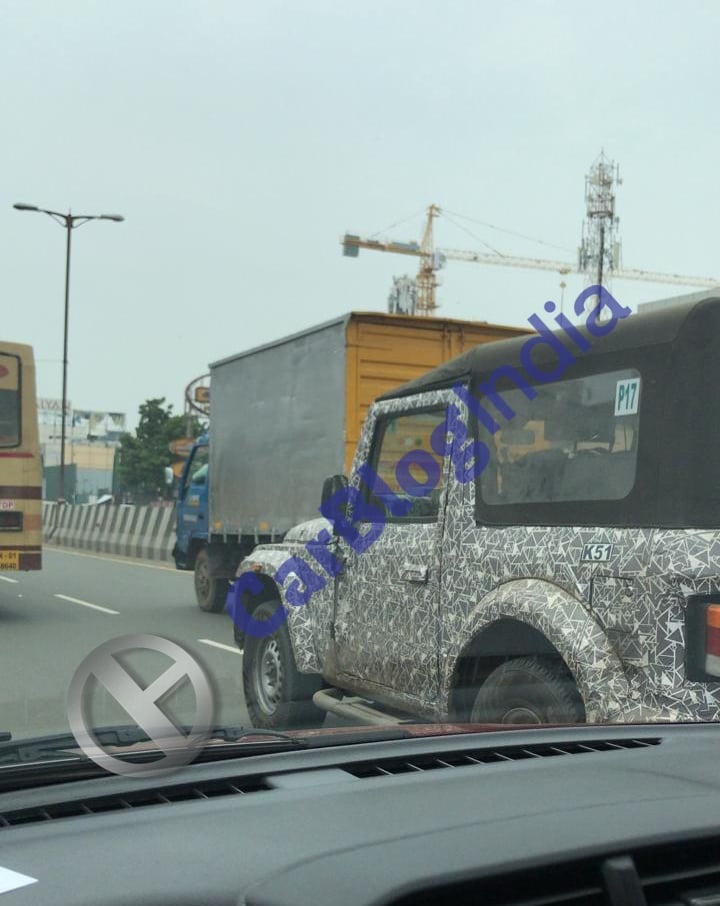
(134, 799)
(209, 789)
(463, 758)
(682, 873)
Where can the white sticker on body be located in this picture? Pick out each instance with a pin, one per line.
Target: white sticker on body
(627, 396)
(11, 880)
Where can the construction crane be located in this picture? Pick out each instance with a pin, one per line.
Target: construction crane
(432, 259)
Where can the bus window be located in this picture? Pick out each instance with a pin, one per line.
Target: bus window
(20, 461)
(9, 400)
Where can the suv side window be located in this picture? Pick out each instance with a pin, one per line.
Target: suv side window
(577, 441)
(419, 477)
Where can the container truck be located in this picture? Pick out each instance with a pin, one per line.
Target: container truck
(284, 416)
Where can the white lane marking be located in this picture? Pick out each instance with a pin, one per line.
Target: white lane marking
(8, 579)
(230, 648)
(88, 604)
(127, 561)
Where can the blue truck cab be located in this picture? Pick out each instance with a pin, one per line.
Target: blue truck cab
(191, 549)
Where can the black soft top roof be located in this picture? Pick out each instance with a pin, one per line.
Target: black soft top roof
(649, 328)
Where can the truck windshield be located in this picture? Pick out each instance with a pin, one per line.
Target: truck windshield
(199, 466)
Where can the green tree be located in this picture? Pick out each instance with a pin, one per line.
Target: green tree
(141, 458)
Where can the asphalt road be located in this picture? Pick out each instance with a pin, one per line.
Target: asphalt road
(51, 620)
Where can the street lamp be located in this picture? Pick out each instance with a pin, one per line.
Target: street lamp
(70, 222)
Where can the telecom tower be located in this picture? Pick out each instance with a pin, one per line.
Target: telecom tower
(599, 252)
(403, 296)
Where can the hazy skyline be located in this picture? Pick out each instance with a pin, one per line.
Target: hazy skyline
(241, 140)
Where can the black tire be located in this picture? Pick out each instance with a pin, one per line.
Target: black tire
(528, 690)
(210, 593)
(277, 695)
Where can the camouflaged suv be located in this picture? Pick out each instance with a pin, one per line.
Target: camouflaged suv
(531, 533)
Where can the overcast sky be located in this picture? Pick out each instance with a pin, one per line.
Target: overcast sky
(240, 140)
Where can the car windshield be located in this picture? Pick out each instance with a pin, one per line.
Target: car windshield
(378, 387)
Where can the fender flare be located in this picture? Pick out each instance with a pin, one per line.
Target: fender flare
(572, 630)
(265, 563)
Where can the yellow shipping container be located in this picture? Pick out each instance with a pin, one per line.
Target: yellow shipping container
(383, 351)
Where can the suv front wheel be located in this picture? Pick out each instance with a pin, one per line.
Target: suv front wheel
(277, 695)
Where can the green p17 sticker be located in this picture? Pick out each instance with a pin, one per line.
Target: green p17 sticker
(627, 396)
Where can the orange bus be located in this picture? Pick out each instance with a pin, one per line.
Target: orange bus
(20, 463)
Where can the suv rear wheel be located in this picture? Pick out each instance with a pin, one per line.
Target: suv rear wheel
(528, 690)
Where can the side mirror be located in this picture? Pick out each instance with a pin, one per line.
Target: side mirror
(169, 476)
(331, 486)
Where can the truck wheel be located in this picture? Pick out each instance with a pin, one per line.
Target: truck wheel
(209, 592)
(528, 690)
(277, 695)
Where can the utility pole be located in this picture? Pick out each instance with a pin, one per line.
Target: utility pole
(70, 222)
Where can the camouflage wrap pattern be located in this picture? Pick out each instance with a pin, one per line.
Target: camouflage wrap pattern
(618, 625)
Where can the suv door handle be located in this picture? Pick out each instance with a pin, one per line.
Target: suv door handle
(416, 574)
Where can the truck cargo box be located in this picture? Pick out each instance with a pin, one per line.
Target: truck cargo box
(288, 414)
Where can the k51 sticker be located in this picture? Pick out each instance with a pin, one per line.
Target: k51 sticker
(596, 553)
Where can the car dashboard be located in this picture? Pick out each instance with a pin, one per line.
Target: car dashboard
(601, 814)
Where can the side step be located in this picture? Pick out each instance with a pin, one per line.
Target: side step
(354, 708)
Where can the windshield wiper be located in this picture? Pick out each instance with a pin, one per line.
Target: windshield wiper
(63, 746)
(233, 746)
(58, 758)
(59, 745)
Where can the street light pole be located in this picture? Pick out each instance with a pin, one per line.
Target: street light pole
(70, 222)
(61, 489)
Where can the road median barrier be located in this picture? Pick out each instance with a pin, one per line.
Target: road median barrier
(144, 532)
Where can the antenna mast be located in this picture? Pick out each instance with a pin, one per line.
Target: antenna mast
(599, 252)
